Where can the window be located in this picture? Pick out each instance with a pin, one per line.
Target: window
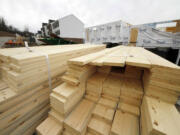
(55, 24)
(57, 32)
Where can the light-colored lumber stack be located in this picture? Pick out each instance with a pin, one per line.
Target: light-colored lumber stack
(76, 122)
(162, 80)
(138, 64)
(94, 86)
(162, 85)
(24, 88)
(22, 111)
(125, 124)
(102, 115)
(131, 92)
(113, 83)
(66, 96)
(21, 69)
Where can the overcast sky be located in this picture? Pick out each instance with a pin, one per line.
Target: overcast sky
(32, 13)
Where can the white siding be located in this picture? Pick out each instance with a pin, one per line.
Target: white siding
(71, 27)
(113, 32)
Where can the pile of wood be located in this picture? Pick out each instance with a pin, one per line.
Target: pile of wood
(162, 84)
(65, 97)
(20, 68)
(24, 85)
(127, 86)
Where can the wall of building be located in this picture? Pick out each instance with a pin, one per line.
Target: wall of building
(71, 27)
(114, 32)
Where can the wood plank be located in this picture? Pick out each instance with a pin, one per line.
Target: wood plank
(131, 101)
(132, 88)
(108, 103)
(49, 127)
(18, 123)
(15, 116)
(136, 58)
(164, 117)
(95, 84)
(27, 124)
(32, 129)
(78, 119)
(71, 80)
(112, 86)
(103, 112)
(103, 128)
(127, 108)
(88, 58)
(125, 124)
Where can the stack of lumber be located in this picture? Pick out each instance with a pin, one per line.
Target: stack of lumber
(65, 97)
(136, 63)
(162, 85)
(25, 70)
(94, 86)
(107, 89)
(102, 117)
(24, 93)
(131, 92)
(113, 92)
(125, 124)
(76, 122)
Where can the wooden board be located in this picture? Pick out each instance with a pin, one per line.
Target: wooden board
(103, 112)
(94, 84)
(103, 127)
(27, 124)
(78, 119)
(125, 124)
(112, 86)
(132, 88)
(127, 108)
(131, 101)
(49, 127)
(14, 114)
(107, 102)
(135, 58)
(163, 117)
(25, 118)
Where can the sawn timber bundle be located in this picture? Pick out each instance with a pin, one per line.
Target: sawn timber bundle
(24, 85)
(117, 91)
